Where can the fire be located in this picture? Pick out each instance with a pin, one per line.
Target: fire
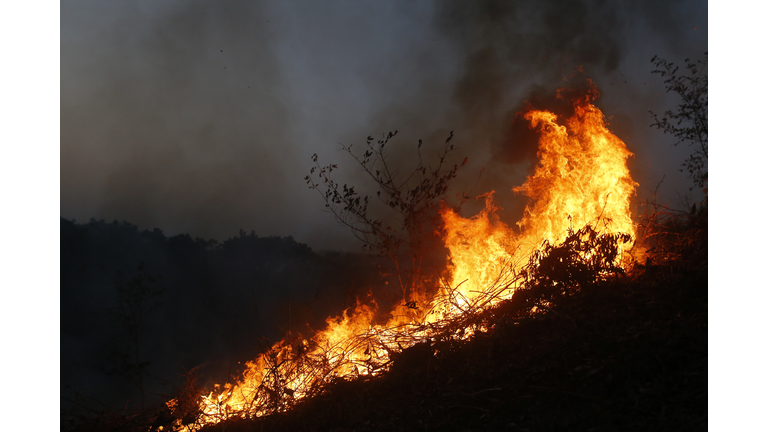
(581, 178)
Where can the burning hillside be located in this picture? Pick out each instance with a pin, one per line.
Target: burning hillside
(579, 193)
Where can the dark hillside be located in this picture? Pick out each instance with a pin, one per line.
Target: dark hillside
(625, 354)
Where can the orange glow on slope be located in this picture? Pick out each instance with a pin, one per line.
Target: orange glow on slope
(582, 178)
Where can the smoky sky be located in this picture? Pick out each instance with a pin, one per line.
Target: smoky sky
(201, 117)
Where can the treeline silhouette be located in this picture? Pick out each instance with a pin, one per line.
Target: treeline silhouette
(139, 308)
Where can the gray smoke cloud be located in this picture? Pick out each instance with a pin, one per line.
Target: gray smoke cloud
(201, 116)
(518, 52)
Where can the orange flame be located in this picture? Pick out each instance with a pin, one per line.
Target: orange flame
(582, 178)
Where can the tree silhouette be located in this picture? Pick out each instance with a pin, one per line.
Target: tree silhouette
(414, 198)
(688, 123)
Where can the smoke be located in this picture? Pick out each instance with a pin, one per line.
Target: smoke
(515, 50)
(519, 54)
(183, 124)
(200, 117)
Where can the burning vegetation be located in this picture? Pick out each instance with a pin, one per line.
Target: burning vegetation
(577, 229)
(577, 233)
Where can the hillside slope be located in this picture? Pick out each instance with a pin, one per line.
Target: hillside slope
(630, 354)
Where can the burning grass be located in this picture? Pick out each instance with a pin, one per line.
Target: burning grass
(625, 351)
(297, 368)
